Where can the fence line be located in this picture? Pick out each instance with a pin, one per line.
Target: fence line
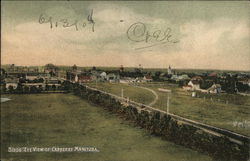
(233, 135)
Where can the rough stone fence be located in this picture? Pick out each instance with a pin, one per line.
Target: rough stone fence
(221, 144)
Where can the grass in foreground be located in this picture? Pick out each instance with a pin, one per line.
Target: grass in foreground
(65, 120)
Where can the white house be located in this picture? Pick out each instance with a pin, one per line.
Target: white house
(103, 76)
(111, 77)
(14, 85)
(215, 88)
(31, 77)
(147, 78)
(11, 82)
(195, 85)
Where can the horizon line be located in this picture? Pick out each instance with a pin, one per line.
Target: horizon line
(134, 67)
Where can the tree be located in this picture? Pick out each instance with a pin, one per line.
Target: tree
(182, 83)
(3, 88)
(66, 86)
(35, 81)
(47, 87)
(53, 87)
(206, 84)
(156, 76)
(26, 89)
(230, 84)
(242, 87)
(33, 89)
(40, 88)
(11, 89)
(52, 73)
(40, 80)
(19, 88)
(22, 80)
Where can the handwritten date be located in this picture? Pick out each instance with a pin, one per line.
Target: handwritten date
(66, 23)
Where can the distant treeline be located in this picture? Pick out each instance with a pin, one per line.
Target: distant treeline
(23, 89)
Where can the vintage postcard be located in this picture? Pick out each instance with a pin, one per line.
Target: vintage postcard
(125, 80)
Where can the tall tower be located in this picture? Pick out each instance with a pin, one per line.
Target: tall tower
(169, 70)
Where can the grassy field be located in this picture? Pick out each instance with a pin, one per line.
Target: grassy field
(213, 111)
(135, 94)
(226, 111)
(64, 120)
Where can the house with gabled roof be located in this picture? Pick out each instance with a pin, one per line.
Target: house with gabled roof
(147, 78)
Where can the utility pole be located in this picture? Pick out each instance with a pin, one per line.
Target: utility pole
(168, 99)
(168, 103)
(122, 93)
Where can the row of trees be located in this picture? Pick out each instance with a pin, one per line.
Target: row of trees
(38, 80)
(30, 89)
(65, 86)
(22, 89)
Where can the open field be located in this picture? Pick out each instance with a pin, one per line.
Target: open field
(231, 112)
(64, 120)
(136, 94)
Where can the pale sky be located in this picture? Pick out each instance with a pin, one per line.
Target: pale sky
(211, 35)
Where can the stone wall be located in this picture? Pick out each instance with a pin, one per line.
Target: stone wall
(220, 147)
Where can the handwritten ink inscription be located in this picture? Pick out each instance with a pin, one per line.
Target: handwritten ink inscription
(138, 32)
(66, 23)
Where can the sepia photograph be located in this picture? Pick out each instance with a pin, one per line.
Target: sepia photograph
(125, 80)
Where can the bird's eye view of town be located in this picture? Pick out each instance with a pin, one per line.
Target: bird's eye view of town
(125, 81)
